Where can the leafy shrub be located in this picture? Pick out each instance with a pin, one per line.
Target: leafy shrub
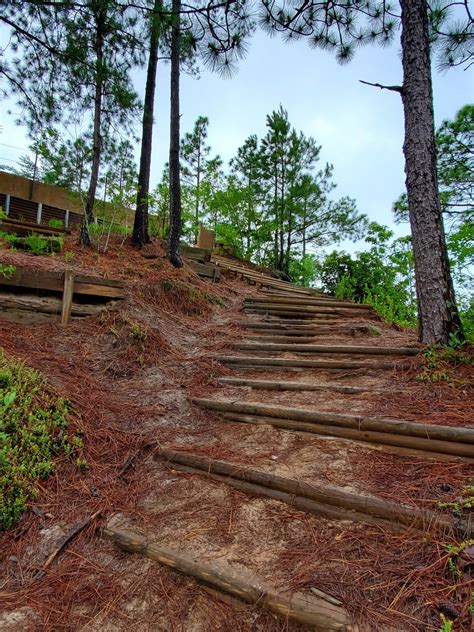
(56, 223)
(33, 430)
(6, 271)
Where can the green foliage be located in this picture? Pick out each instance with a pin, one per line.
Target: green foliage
(41, 245)
(381, 276)
(56, 223)
(33, 430)
(274, 205)
(454, 551)
(446, 624)
(6, 271)
(455, 164)
(440, 363)
(465, 501)
(303, 270)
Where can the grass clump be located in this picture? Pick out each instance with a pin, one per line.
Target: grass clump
(33, 430)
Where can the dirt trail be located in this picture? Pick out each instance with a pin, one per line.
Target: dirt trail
(135, 402)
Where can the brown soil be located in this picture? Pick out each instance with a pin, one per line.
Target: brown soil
(131, 396)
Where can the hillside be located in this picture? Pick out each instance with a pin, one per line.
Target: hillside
(364, 535)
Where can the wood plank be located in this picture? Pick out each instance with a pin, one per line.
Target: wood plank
(325, 349)
(294, 300)
(363, 505)
(44, 304)
(361, 422)
(271, 385)
(67, 297)
(427, 446)
(307, 309)
(54, 281)
(204, 270)
(322, 615)
(303, 363)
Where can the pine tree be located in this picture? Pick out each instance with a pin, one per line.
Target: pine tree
(340, 27)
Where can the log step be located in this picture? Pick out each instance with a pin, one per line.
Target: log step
(306, 309)
(330, 502)
(316, 320)
(271, 385)
(375, 424)
(309, 301)
(428, 448)
(303, 608)
(273, 363)
(288, 316)
(322, 349)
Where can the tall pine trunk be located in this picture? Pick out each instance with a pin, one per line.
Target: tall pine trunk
(437, 312)
(96, 135)
(140, 235)
(198, 193)
(175, 184)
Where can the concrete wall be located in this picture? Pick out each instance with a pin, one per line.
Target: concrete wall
(47, 194)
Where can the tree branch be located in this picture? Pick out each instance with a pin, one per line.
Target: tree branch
(398, 89)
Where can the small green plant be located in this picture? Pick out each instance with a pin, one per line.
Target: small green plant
(7, 271)
(9, 238)
(440, 360)
(68, 256)
(446, 624)
(37, 244)
(33, 423)
(465, 501)
(56, 223)
(454, 551)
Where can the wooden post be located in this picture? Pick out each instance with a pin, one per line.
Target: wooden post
(67, 297)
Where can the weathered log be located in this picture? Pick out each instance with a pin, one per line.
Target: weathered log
(298, 502)
(44, 304)
(304, 363)
(322, 349)
(264, 337)
(362, 505)
(360, 422)
(270, 385)
(288, 322)
(304, 309)
(68, 291)
(308, 329)
(325, 617)
(289, 314)
(293, 300)
(429, 447)
(288, 292)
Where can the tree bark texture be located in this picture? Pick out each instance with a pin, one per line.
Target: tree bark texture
(175, 184)
(140, 235)
(437, 312)
(96, 136)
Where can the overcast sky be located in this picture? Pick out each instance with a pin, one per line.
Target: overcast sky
(359, 127)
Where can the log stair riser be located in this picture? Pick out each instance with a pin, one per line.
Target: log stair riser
(325, 349)
(430, 448)
(329, 502)
(318, 613)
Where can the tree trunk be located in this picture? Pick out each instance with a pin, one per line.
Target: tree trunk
(84, 239)
(175, 184)
(140, 235)
(437, 312)
(198, 184)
